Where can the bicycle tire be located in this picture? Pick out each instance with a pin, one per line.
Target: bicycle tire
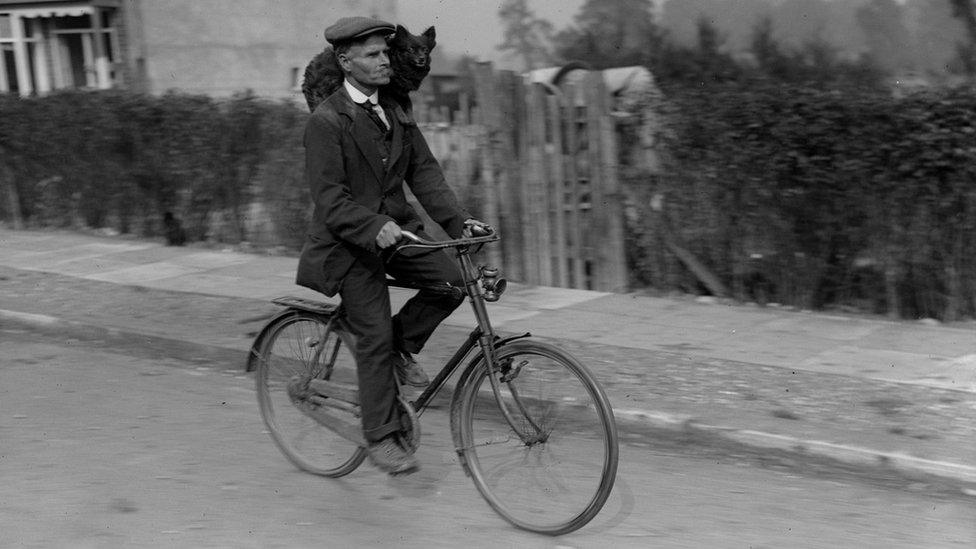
(299, 347)
(552, 486)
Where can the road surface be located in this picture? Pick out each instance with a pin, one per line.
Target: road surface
(109, 447)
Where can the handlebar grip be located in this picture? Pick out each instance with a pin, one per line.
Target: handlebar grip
(413, 238)
(480, 230)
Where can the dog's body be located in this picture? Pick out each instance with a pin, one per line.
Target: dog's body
(409, 59)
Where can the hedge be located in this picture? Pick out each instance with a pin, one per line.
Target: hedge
(818, 199)
(803, 197)
(121, 160)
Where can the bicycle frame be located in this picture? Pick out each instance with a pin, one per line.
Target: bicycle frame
(483, 335)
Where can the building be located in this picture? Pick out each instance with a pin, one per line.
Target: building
(212, 47)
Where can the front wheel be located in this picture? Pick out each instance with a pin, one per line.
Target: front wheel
(303, 347)
(543, 453)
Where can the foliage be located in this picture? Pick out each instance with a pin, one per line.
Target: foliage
(822, 198)
(965, 11)
(611, 33)
(917, 36)
(121, 160)
(525, 35)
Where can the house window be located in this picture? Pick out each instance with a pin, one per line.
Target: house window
(83, 57)
(75, 47)
(8, 60)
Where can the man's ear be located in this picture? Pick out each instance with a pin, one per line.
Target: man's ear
(343, 60)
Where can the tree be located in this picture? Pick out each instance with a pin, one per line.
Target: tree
(713, 63)
(611, 33)
(526, 36)
(889, 41)
(965, 10)
(767, 51)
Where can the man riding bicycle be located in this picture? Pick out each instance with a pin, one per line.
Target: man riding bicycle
(360, 148)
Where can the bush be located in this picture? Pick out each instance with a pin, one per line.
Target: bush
(121, 160)
(825, 199)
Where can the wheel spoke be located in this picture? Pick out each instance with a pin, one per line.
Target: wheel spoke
(544, 455)
(301, 348)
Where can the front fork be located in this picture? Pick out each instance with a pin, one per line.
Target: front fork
(497, 373)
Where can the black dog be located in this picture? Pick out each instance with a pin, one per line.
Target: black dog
(409, 59)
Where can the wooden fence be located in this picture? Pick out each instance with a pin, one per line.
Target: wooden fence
(540, 163)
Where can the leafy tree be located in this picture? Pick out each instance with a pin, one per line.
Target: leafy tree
(713, 61)
(965, 10)
(526, 36)
(936, 34)
(611, 33)
(767, 51)
(890, 43)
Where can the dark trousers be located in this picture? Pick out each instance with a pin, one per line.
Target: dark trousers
(366, 299)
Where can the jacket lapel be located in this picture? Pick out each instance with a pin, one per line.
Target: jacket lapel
(363, 134)
(396, 116)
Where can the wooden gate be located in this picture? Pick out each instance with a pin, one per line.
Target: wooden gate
(543, 169)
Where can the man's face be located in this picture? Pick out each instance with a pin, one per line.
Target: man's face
(366, 64)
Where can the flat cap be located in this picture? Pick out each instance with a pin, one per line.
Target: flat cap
(349, 28)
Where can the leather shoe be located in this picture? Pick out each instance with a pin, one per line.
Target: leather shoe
(409, 372)
(388, 455)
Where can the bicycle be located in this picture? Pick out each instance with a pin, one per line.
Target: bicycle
(531, 425)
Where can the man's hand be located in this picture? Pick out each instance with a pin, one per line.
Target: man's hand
(388, 236)
(473, 227)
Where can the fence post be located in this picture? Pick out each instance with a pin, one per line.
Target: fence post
(488, 115)
(556, 191)
(613, 260)
(573, 195)
(506, 131)
(536, 184)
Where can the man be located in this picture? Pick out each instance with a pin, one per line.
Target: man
(359, 150)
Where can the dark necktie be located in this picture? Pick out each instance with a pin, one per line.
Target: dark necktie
(373, 110)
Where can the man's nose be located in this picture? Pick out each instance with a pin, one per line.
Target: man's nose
(384, 59)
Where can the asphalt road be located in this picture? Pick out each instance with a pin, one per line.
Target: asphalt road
(104, 446)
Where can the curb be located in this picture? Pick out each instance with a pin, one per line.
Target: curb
(846, 454)
(154, 346)
(149, 345)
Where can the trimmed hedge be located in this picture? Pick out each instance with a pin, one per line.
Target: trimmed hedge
(121, 160)
(803, 197)
(819, 198)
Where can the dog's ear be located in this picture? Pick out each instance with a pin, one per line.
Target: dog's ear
(429, 34)
(401, 33)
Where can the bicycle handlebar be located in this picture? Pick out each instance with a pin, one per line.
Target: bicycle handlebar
(418, 242)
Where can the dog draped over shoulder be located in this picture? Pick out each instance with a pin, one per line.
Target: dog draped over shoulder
(409, 59)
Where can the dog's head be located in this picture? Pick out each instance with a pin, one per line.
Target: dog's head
(413, 50)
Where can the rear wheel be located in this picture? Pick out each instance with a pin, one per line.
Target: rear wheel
(550, 465)
(301, 348)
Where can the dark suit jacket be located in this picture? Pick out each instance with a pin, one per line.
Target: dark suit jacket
(355, 194)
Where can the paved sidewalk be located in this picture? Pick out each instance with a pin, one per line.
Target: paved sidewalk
(865, 391)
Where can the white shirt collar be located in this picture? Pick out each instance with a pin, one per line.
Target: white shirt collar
(360, 97)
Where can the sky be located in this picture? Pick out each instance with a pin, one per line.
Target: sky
(472, 27)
